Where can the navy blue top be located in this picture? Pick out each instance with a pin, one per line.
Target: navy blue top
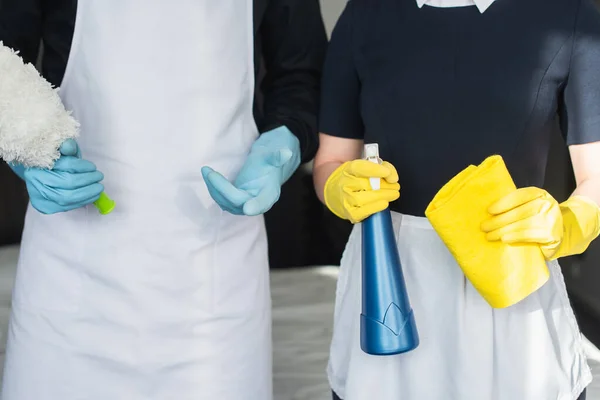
(442, 88)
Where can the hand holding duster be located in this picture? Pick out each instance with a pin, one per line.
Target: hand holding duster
(72, 182)
(34, 127)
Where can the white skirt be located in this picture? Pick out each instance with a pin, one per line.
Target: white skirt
(468, 351)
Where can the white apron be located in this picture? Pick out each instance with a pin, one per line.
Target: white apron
(167, 297)
(468, 351)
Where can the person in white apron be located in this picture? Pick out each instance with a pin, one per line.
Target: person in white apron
(168, 296)
(441, 85)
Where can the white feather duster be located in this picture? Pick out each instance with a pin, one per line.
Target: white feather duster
(33, 120)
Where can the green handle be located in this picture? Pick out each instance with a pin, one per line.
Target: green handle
(104, 204)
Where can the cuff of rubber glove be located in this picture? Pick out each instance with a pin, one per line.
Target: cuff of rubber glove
(19, 170)
(308, 147)
(581, 221)
(328, 183)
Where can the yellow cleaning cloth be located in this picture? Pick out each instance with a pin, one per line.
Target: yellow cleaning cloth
(503, 274)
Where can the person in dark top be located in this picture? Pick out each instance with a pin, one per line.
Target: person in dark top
(167, 297)
(441, 85)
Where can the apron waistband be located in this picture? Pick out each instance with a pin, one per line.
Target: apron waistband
(411, 220)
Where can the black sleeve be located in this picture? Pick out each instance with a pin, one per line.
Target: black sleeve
(294, 43)
(580, 109)
(21, 27)
(57, 34)
(340, 88)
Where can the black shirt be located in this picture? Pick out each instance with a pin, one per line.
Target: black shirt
(442, 88)
(290, 43)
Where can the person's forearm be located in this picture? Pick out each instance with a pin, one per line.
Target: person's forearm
(294, 42)
(320, 175)
(589, 188)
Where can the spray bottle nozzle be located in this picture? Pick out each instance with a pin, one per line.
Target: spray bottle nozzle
(372, 153)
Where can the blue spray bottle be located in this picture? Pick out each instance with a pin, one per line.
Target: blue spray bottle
(387, 324)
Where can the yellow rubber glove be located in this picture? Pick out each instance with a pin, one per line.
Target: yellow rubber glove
(348, 192)
(532, 215)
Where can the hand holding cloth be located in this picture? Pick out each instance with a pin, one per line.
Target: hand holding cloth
(502, 273)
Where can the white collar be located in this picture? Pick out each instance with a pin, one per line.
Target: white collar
(482, 5)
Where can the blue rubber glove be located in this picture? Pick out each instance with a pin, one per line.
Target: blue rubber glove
(273, 158)
(72, 182)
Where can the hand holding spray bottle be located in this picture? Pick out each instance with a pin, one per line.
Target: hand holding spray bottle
(387, 324)
(34, 123)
